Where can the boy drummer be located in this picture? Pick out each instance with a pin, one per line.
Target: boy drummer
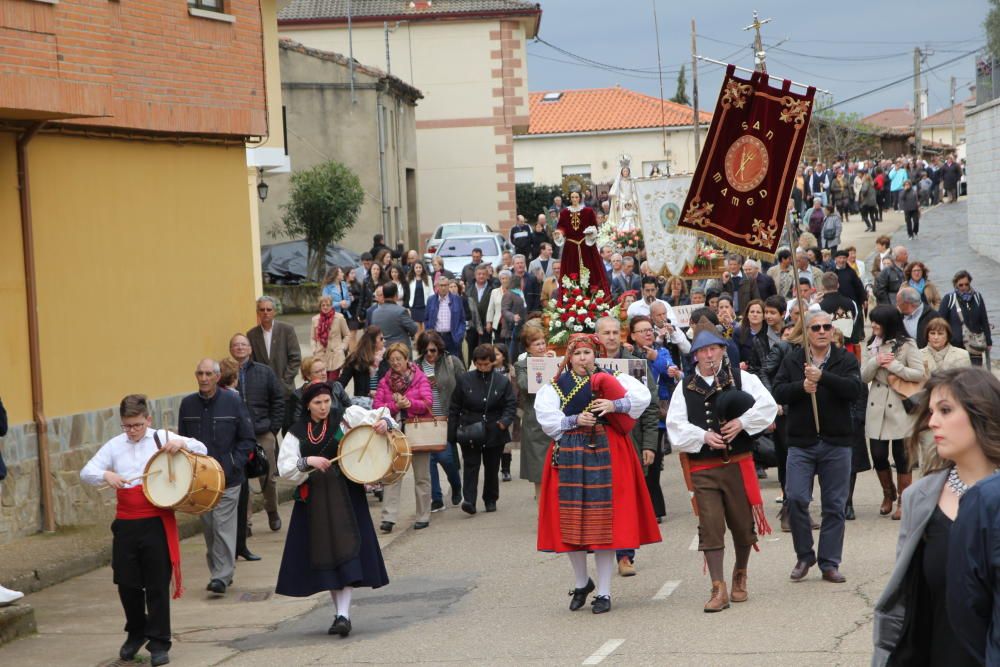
(145, 546)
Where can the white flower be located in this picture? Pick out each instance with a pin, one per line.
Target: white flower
(600, 294)
(581, 311)
(589, 322)
(578, 328)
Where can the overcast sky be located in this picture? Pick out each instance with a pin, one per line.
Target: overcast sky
(847, 48)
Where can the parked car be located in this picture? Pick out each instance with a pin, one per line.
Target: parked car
(456, 251)
(447, 229)
(285, 263)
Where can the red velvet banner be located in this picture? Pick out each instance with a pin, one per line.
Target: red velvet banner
(739, 193)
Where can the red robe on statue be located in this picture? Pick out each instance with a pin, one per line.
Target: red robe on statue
(577, 253)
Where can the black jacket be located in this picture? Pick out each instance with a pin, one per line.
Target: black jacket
(264, 397)
(851, 286)
(222, 424)
(887, 283)
(839, 386)
(520, 238)
(925, 319)
(974, 313)
(469, 403)
(361, 377)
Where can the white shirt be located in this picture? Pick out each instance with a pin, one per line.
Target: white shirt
(550, 415)
(640, 307)
(267, 339)
(128, 458)
(686, 437)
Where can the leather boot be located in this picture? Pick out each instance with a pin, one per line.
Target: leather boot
(739, 590)
(888, 491)
(904, 479)
(783, 518)
(719, 599)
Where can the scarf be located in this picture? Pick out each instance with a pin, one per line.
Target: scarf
(400, 382)
(132, 504)
(965, 296)
(323, 328)
(918, 284)
(938, 355)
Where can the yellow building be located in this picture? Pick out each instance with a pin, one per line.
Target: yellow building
(468, 57)
(583, 132)
(126, 252)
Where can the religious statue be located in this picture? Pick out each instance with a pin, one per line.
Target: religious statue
(624, 203)
(577, 231)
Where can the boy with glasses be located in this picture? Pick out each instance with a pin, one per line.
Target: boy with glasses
(145, 546)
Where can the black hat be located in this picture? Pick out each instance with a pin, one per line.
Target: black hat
(732, 404)
(842, 253)
(312, 391)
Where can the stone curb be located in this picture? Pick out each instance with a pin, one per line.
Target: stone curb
(16, 621)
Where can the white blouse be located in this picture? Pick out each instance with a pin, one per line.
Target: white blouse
(290, 453)
(129, 459)
(550, 415)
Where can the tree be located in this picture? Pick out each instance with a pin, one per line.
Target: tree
(833, 133)
(323, 204)
(533, 199)
(681, 95)
(992, 26)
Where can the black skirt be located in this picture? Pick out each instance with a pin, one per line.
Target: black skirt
(298, 578)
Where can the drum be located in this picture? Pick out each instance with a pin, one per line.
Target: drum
(366, 457)
(196, 487)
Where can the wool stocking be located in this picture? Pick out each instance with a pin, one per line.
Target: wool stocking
(578, 559)
(742, 557)
(605, 566)
(343, 597)
(714, 559)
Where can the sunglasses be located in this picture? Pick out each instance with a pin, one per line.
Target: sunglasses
(821, 327)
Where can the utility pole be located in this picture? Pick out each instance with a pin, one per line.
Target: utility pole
(759, 56)
(918, 121)
(954, 136)
(694, 95)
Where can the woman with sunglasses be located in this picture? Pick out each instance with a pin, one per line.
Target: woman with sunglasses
(892, 357)
(965, 311)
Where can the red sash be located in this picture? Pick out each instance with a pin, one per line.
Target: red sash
(750, 485)
(132, 504)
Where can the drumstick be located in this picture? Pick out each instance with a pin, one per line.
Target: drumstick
(359, 449)
(129, 481)
(370, 435)
(170, 468)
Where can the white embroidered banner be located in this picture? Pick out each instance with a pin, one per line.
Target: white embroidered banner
(661, 201)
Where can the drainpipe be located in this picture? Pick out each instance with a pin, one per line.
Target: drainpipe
(382, 139)
(34, 355)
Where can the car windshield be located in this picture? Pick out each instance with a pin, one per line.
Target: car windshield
(458, 230)
(463, 247)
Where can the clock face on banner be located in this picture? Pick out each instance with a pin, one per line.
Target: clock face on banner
(746, 163)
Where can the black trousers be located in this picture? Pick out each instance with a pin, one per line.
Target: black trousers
(780, 435)
(912, 222)
(241, 516)
(489, 458)
(653, 479)
(880, 455)
(141, 564)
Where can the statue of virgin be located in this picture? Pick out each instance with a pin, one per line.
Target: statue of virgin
(624, 203)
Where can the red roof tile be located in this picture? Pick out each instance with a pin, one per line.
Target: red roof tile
(603, 109)
(943, 117)
(893, 119)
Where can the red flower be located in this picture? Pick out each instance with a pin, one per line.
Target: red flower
(565, 316)
(577, 292)
(574, 276)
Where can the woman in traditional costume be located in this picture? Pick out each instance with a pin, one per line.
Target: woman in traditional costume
(593, 495)
(578, 227)
(331, 543)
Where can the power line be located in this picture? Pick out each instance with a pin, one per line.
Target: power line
(646, 77)
(901, 80)
(595, 63)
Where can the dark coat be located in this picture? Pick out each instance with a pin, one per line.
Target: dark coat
(951, 175)
(974, 313)
(470, 402)
(222, 424)
(839, 386)
(765, 285)
(472, 295)
(645, 433)
(361, 376)
(851, 286)
(888, 282)
(264, 397)
(286, 355)
(395, 322)
(745, 293)
(925, 318)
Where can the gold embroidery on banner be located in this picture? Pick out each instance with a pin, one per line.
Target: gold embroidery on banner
(762, 234)
(795, 111)
(698, 212)
(735, 94)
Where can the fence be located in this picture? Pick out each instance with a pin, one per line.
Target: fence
(987, 78)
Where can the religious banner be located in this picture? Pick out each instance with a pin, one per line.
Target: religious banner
(670, 250)
(739, 193)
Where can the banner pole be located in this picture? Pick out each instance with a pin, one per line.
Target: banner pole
(802, 316)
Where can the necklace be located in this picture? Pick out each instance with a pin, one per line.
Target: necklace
(956, 484)
(322, 434)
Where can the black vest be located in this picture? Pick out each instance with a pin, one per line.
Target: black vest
(700, 400)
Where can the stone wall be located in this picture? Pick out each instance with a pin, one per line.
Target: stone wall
(73, 439)
(294, 299)
(983, 176)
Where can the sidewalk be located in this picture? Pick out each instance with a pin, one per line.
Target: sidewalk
(80, 620)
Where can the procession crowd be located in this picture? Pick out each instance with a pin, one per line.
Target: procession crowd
(771, 367)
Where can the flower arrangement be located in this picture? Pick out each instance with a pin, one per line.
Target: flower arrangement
(623, 241)
(706, 257)
(575, 310)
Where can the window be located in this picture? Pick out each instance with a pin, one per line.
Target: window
(647, 168)
(551, 97)
(210, 5)
(462, 247)
(524, 175)
(576, 170)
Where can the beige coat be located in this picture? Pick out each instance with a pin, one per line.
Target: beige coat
(886, 419)
(953, 357)
(335, 352)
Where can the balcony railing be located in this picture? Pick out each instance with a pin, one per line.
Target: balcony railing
(987, 78)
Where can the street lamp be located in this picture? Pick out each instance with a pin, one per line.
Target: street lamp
(261, 185)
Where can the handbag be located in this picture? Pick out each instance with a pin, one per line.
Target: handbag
(427, 434)
(829, 232)
(475, 433)
(973, 342)
(904, 388)
(257, 463)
